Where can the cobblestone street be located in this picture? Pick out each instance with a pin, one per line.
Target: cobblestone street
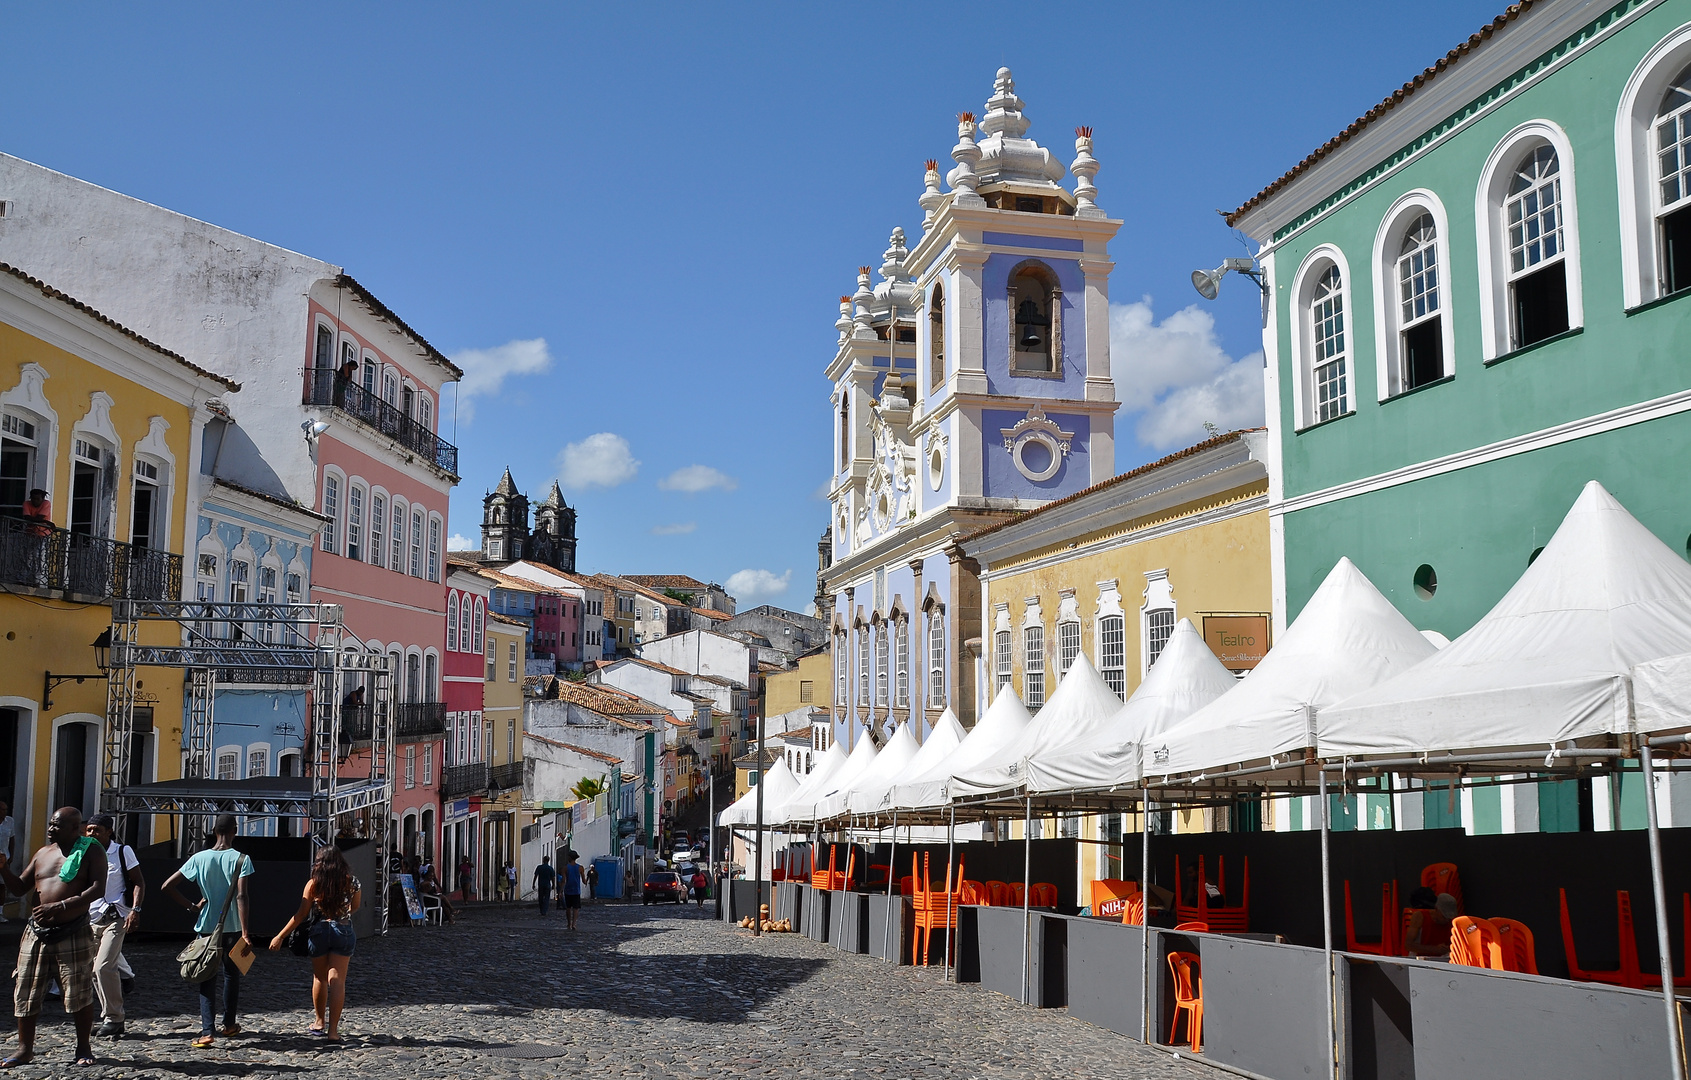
(642, 992)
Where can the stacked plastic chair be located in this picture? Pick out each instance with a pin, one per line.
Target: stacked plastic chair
(1391, 942)
(1233, 918)
(933, 910)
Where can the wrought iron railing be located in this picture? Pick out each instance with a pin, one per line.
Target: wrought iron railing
(328, 388)
(464, 779)
(357, 722)
(44, 556)
(506, 777)
(419, 719)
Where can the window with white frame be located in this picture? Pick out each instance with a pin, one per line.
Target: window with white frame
(434, 549)
(428, 765)
(267, 576)
(146, 507)
(378, 523)
(1327, 346)
(240, 581)
(862, 668)
(258, 761)
(411, 765)
(1003, 660)
(1068, 645)
(390, 388)
(451, 622)
(1159, 625)
(1419, 291)
(512, 674)
(1533, 230)
(1673, 184)
(229, 764)
(416, 542)
(492, 661)
(901, 658)
(880, 633)
(842, 655)
(354, 522)
(19, 444)
(397, 559)
(481, 622)
(1033, 665)
(936, 660)
(425, 413)
(332, 511)
(1112, 653)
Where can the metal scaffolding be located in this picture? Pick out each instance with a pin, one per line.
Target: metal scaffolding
(277, 643)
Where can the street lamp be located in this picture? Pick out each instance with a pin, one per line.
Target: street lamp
(102, 653)
(1208, 282)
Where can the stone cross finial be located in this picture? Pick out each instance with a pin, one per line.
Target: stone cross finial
(1085, 167)
(864, 327)
(932, 198)
(962, 178)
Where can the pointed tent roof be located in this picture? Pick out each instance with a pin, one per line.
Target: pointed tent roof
(1081, 701)
(1347, 639)
(1186, 677)
(808, 807)
(821, 771)
(887, 763)
(1003, 721)
(1551, 661)
(944, 737)
(778, 785)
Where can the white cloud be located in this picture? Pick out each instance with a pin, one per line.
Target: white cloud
(485, 369)
(696, 478)
(679, 529)
(460, 542)
(749, 585)
(601, 460)
(1175, 375)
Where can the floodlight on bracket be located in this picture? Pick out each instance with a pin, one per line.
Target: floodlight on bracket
(1208, 282)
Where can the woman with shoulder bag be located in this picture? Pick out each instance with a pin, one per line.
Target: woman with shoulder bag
(325, 917)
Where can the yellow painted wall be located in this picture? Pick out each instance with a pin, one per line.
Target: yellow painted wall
(38, 634)
(502, 699)
(782, 689)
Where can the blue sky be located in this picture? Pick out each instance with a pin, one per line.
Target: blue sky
(633, 227)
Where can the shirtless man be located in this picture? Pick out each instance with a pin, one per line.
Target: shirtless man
(58, 936)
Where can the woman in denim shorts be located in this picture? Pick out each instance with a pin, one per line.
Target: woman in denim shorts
(333, 894)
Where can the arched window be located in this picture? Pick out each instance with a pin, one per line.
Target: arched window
(1033, 665)
(1422, 358)
(416, 541)
(845, 428)
(1537, 269)
(936, 660)
(901, 655)
(936, 340)
(431, 679)
(1673, 183)
(452, 622)
(481, 623)
(1112, 653)
(862, 668)
(1328, 350)
(842, 656)
(1002, 661)
(881, 664)
(354, 521)
(434, 548)
(332, 511)
(1413, 332)
(1035, 310)
(1068, 645)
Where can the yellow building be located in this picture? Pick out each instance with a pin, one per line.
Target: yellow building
(109, 426)
(805, 685)
(1109, 571)
(502, 712)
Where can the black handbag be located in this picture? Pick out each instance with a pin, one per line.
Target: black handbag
(299, 938)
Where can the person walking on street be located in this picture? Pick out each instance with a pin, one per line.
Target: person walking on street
(509, 876)
(67, 874)
(544, 878)
(573, 878)
(701, 886)
(467, 878)
(113, 916)
(215, 871)
(592, 881)
(335, 894)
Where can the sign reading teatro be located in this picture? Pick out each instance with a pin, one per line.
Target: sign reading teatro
(1238, 641)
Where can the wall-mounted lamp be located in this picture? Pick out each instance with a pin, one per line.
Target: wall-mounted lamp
(1208, 282)
(314, 428)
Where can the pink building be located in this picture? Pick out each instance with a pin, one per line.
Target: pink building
(464, 780)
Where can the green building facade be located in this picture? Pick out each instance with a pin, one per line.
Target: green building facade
(1480, 299)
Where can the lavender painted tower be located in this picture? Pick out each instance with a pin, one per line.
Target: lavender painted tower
(971, 383)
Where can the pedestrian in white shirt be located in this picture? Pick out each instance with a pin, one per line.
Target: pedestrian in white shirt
(113, 916)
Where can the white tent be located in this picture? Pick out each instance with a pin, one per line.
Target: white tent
(1081, 702)
(1662, 694)
(889, 762)
(997, 729)
(804, 806)
(1550, 662)
(1347, 639)
(1186, 677)
(820, 777)
(943, 737)
(778, 786)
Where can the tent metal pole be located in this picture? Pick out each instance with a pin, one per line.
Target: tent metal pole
(1676, 1047)
(892, 876)
(1327, 920)
(1145, 913)
(1027, 889)
(951, 917)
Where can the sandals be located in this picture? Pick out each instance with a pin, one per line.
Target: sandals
(85, 1061)
(204, 1042)
(19, 1058)
(316, 1032)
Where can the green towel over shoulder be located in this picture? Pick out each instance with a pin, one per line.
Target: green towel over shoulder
(73, 861)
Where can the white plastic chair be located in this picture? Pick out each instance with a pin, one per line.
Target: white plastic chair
(432, 910)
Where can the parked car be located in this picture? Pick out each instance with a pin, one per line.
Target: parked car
(663, 885)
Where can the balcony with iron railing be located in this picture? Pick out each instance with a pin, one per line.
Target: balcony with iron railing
(37, 555)
(457, 780)
(327, 388)
(419, 719)
(506, 777)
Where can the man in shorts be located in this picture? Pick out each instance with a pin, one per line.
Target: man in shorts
(68, 874)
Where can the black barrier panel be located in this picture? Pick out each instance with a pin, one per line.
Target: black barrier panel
(966, 959)
(1381, 1043)
(1265, 1006)
(1470, 1022)
(848, 914)
(999, 950)
(1103, 975)
(742, 896)
(890, 924)
(788, 904)
(1052, 991)
(818, 903)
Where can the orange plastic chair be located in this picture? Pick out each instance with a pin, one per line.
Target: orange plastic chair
(1517, 948)
(1233, 918)
(999, 893)
(933, 910)
(1475, 943)
(1403, 927)
(907, 885)
(1442, 877)
(1108, 896)
(1387, 945)
(1193, 927)
(1017, 890)
(1188, 996)
(1133, 914)
(975, 892)
(1043, 894)
(1627, 974)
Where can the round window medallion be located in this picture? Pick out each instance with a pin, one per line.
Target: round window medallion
(936, 468)
(1037, 456)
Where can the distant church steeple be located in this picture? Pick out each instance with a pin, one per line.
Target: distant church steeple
(554, 531)
(505, 534)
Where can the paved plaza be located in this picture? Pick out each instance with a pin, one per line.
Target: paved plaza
(637, 992)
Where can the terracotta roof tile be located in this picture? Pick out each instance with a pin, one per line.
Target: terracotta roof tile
(595, 754)
(1474, 41)
(712, 614)
(666, 581)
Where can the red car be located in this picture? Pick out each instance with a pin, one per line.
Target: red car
(663, 885)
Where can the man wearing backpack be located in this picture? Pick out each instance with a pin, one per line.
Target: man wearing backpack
(113, 916)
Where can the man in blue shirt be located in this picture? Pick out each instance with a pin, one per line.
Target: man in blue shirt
(214, 871)
(572, 886)
(544, 877)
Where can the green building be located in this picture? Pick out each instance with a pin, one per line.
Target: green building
(1480, 298)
